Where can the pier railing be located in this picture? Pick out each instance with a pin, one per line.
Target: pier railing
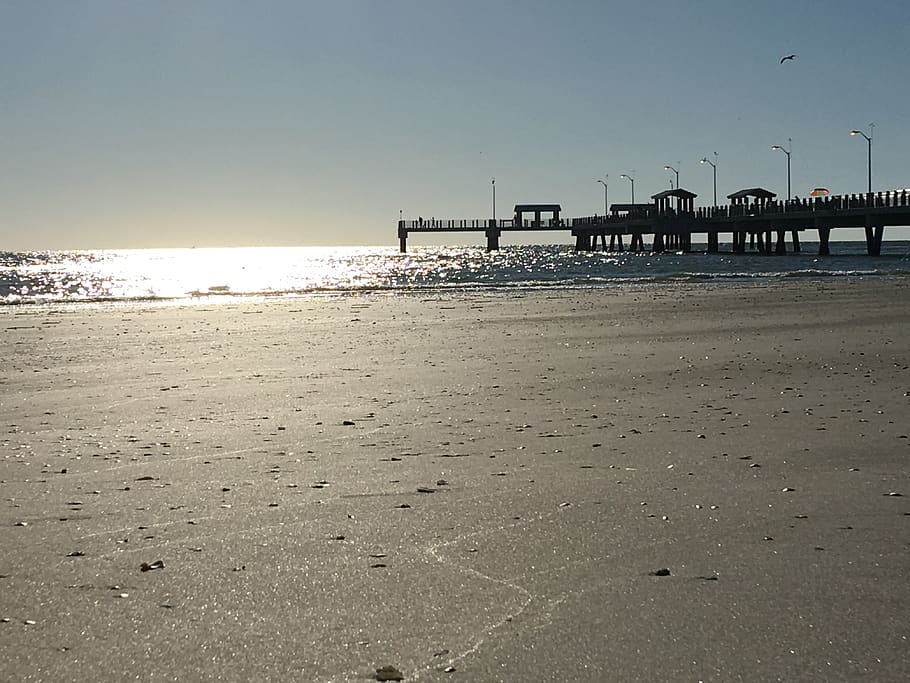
(459, 224)
(876, 200)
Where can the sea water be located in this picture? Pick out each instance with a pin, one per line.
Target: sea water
(184, 275)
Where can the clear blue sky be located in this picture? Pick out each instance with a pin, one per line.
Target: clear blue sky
(209, 122)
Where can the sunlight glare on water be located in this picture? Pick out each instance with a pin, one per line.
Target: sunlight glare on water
(228, 273)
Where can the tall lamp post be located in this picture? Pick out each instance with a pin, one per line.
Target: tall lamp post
(493, 184)
(706, 160)
(868, 140)
(787, 152)
(670, 168)
(631, 180)
(604, 183)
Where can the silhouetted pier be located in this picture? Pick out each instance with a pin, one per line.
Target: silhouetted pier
(754, 220)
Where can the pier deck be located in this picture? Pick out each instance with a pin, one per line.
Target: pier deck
(764, 226)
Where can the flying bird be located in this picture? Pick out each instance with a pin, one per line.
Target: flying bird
(784, 59)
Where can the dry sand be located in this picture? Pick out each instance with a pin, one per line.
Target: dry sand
(484, 483)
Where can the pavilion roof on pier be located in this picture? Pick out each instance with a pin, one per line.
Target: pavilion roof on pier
(678, 192)
(757, 192)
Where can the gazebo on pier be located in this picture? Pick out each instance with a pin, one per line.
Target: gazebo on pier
(753, 196)
(537, 210)
(685, 201)
(685, 206)
(751, 201)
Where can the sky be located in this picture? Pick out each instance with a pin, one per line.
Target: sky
(176, 123)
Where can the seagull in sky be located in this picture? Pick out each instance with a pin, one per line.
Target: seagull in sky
(784, 59)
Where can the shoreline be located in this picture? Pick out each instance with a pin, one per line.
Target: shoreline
(476, 481)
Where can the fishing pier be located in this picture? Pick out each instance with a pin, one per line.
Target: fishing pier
(755, 221)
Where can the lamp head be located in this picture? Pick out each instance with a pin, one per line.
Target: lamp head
(854, 132)
(703, 161)
(775, 146)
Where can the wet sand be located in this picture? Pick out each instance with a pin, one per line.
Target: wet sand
(487, 484)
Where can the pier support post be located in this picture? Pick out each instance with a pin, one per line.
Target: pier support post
(781, 247)
(582, 242)
(741, 242)
(493, 233)
(824, 234)
(658, 244)
(402, 238)
(874, 236)
(796, 248)
(713, 247)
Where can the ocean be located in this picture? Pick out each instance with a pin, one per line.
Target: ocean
(232, 274)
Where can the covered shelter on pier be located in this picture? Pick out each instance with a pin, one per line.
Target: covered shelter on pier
(537, 210)
(751, 196)
(630, 210)
(685, 201)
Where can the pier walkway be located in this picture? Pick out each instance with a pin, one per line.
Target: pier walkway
(761, 225)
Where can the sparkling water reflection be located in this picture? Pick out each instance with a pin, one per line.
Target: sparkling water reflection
(194, 274)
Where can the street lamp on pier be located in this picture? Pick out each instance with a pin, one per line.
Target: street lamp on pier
(670, 168)
(493, 184)
(868, 140)
(604, 183)
(706, 160)
(787, 152)
(631, 180)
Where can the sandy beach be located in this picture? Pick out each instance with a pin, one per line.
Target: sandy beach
(675, 483)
